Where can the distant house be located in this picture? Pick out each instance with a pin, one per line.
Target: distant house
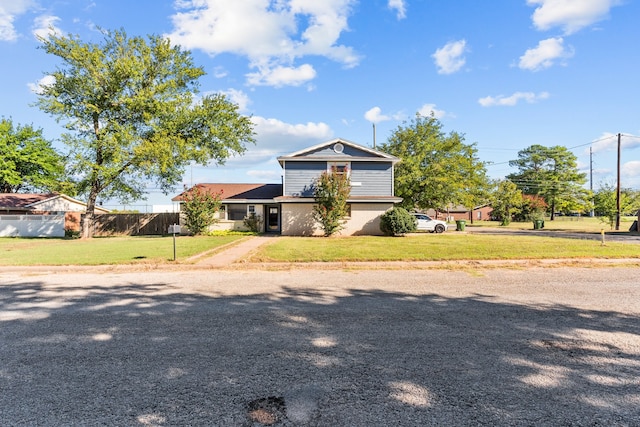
(287, 208)
(46, 204)
(454, 213)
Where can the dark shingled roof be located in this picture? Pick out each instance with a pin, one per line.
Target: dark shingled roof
(238, 191)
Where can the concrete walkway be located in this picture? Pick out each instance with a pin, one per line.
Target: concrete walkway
(235, 252)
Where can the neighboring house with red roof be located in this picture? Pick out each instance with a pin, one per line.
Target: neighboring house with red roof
(13, 204)
(454, 213)
(287, 208)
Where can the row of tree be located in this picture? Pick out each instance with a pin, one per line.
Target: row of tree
(440, 170)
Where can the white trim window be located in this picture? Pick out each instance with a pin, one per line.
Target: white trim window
(339, 168)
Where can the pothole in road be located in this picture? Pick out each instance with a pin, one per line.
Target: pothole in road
(267, 411)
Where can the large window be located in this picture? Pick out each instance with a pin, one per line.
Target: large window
(236, 212)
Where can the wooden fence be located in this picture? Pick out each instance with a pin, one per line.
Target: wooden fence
(134, 224)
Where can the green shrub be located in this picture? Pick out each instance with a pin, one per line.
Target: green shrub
(331, 192)
(200, 209)
(253, 222)
(397, 222)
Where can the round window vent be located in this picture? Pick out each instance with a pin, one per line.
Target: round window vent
(338, 148)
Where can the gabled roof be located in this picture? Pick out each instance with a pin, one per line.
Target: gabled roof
(371, 154)
(238, 192)
(19, 201)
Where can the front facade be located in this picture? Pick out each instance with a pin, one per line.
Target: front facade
(371, 175)
(287, 208)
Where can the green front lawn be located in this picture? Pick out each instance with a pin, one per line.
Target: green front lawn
(434, 247)
(106, 250)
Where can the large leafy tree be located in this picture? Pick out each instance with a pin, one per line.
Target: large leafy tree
(506, 200)
(437, 169)
(133, 118)
(28, 162)
(552, 173)
(606, 203)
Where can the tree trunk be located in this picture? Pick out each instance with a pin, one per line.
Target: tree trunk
(87, 222)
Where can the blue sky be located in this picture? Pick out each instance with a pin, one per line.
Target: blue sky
(506, 73)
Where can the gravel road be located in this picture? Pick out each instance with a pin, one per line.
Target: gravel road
(304, 347)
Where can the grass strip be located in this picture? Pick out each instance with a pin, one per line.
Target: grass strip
(106, 250)
(435, 247)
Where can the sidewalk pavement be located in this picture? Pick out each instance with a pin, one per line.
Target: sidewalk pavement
(236, 252)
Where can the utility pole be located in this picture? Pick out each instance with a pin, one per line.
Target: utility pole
(591, 176)
(618, 188)
(374, 136)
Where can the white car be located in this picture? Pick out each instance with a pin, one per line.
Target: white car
(426, 223)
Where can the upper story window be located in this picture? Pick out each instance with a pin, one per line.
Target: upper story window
(340, 168)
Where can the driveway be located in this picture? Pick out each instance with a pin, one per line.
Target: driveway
(307, 347)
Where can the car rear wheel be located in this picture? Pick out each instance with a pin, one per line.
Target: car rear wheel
(439, 228)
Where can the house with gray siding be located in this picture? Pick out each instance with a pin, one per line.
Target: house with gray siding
(287, 208)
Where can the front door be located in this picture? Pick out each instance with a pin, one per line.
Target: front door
(273, 219)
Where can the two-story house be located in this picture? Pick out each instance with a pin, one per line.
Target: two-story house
(287, 208)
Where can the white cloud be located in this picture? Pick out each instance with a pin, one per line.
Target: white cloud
(570, 15)
(253, 156)
(44, 26)
(427, 109)
(239, 98)
(450, 58)
(220, 72)
(9, 10)
(280, 138)
(265, 175)
(510, 101)
(375, 115)
(275, 138)
(45, 81)
(631, 169)
(545, 54)
(609, 142)
(400, 7)
(272, 34)
(279, 76)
